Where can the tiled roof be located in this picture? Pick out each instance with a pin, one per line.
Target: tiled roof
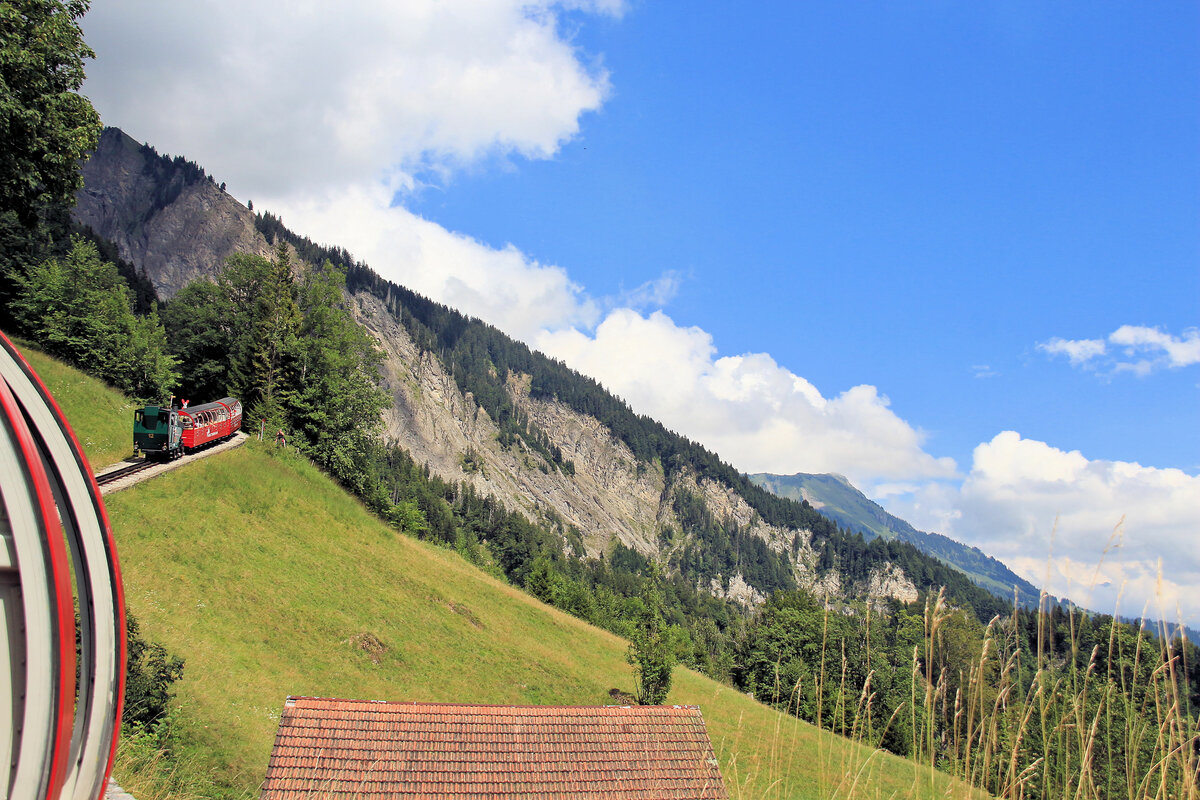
(374, 750)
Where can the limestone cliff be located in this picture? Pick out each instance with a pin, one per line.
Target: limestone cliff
(607, 498)
(164, 218)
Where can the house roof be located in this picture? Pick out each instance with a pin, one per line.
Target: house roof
(372, 750)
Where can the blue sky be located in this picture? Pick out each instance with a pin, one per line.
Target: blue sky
(909, 196)
(949, 249)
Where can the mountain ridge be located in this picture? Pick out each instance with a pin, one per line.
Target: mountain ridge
(482, 409)
(835, 496)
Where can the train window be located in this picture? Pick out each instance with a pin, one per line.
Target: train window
(137, 417)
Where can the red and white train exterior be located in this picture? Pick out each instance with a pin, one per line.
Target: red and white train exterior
(210, 422)
(62, 633)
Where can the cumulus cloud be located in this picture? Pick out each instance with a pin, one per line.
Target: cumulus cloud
(322, 118)
(1135, 348)
(501, 286)
(1177, 351)
(1080, 351)
(749, 409)
(1050, 513)
(279, 98)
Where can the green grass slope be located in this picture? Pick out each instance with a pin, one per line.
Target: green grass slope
(270, 580)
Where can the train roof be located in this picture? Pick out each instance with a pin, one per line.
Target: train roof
(223, 403)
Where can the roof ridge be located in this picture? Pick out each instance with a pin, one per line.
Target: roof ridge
(293, 698)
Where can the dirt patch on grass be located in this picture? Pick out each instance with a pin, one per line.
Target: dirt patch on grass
(466, 614)
(369, 643)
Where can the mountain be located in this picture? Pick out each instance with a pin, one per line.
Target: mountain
(484, 413)
(835, 497)
(165, 215)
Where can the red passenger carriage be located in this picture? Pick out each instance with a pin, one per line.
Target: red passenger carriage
(210, 422)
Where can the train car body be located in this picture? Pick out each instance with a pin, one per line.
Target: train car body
(62, 630)
(210, 422)
(158, 432)
(167, 433)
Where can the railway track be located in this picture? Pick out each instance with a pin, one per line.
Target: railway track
(124, 472)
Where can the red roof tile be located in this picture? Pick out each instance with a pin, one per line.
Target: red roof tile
(373, 750)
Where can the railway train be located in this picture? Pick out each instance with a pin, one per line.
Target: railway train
(62, 633)
(167, 433)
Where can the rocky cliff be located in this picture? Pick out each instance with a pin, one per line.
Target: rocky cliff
(165, 216)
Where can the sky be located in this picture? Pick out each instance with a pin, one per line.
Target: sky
(948, 249)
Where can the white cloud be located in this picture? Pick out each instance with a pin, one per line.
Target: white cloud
(322, 117)
(753, 412)
(983, 371)
(1080, 351)
(279, 98)
(504, 287)
(652, 294)
(1043, 511)
(1144, 349)
(1178, 352)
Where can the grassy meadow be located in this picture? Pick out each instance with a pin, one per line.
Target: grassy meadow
(280, 584)
(270, 580)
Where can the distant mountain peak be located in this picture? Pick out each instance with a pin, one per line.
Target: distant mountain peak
(840, 500)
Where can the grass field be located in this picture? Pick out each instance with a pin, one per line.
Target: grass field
(269, 580)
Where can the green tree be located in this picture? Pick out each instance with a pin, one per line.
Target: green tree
(330, 386)
(46, 127)
(79, 309)
(277, 320)
(201, 321)
(150, 672)
(45, 124)
(262, 323)
(544, 582)
(651, 649)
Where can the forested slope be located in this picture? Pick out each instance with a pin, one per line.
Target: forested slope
(839, 500)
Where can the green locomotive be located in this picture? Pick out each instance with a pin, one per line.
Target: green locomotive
(157, 432)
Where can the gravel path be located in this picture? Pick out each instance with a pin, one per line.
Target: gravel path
(114, 792)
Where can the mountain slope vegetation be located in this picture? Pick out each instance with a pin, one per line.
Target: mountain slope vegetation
(270, 580)
(779, 545)
(839, 500)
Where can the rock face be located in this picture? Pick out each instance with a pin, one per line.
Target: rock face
(890, 581)
(608, 496)
(189, 236)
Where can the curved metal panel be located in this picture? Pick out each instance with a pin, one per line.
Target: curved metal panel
(98, 703)
(41, 720)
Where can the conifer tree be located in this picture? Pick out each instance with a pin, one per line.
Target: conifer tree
(277, 323)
